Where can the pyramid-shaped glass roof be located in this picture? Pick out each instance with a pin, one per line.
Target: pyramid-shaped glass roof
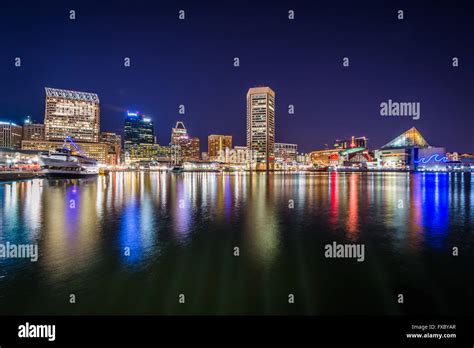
(411, 137)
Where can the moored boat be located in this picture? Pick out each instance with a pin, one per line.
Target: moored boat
(64, 163)
(177, 169)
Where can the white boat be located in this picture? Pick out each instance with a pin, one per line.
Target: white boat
(63, 163)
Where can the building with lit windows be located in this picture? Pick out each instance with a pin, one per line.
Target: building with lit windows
(352, 143)
(346, 153)
(114, 142)
(138, 130)
(286, 153)
(325, 158)
(261, 127)
(139, 137)
(303, 159)
(33, 130)
(238, 156)
(188, 146)
(217, 145)
(410, 151)
(72, 113)
(150, 153)
(11, 135)
(178, 132)
(98, 151)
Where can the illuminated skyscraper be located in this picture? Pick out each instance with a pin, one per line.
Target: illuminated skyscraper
(216, 145)
(261, 127)
(71, 113)
(189, 147)
(138, 130)
(178, 132)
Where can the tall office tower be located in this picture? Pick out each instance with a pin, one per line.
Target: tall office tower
(216, 145)
(189, 147)
(11, 135)
(32, 130)
(72, 113)
(138, 130)
(261, 127)
(178, 132)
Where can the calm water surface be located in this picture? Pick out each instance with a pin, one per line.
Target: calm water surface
(181, 230)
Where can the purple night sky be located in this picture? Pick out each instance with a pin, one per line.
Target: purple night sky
(190, 62)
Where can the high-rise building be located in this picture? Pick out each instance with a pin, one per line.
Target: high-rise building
(138, 130)
(178, 132)
(10, 135)
(72, 113)
(114, 141)
(32, 130)
(217, 144)
(189, 147)
(261, 127)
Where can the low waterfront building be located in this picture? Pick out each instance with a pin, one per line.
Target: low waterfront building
(349, 157)
(149, 153)
(242, 155)
(97, 151)
(352, 143)
(9, 157)
(303, 159)
(285, 153)
(217, 145)
(325, 158)
(11, 135)
(346, 153)
(411, 151)
(33, 130)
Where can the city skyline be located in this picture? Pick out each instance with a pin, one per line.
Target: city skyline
(77, 114)
(330, 101)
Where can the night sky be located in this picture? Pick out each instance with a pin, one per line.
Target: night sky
(190, 62)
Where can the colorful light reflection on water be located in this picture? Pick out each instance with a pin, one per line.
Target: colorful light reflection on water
(181, 230)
